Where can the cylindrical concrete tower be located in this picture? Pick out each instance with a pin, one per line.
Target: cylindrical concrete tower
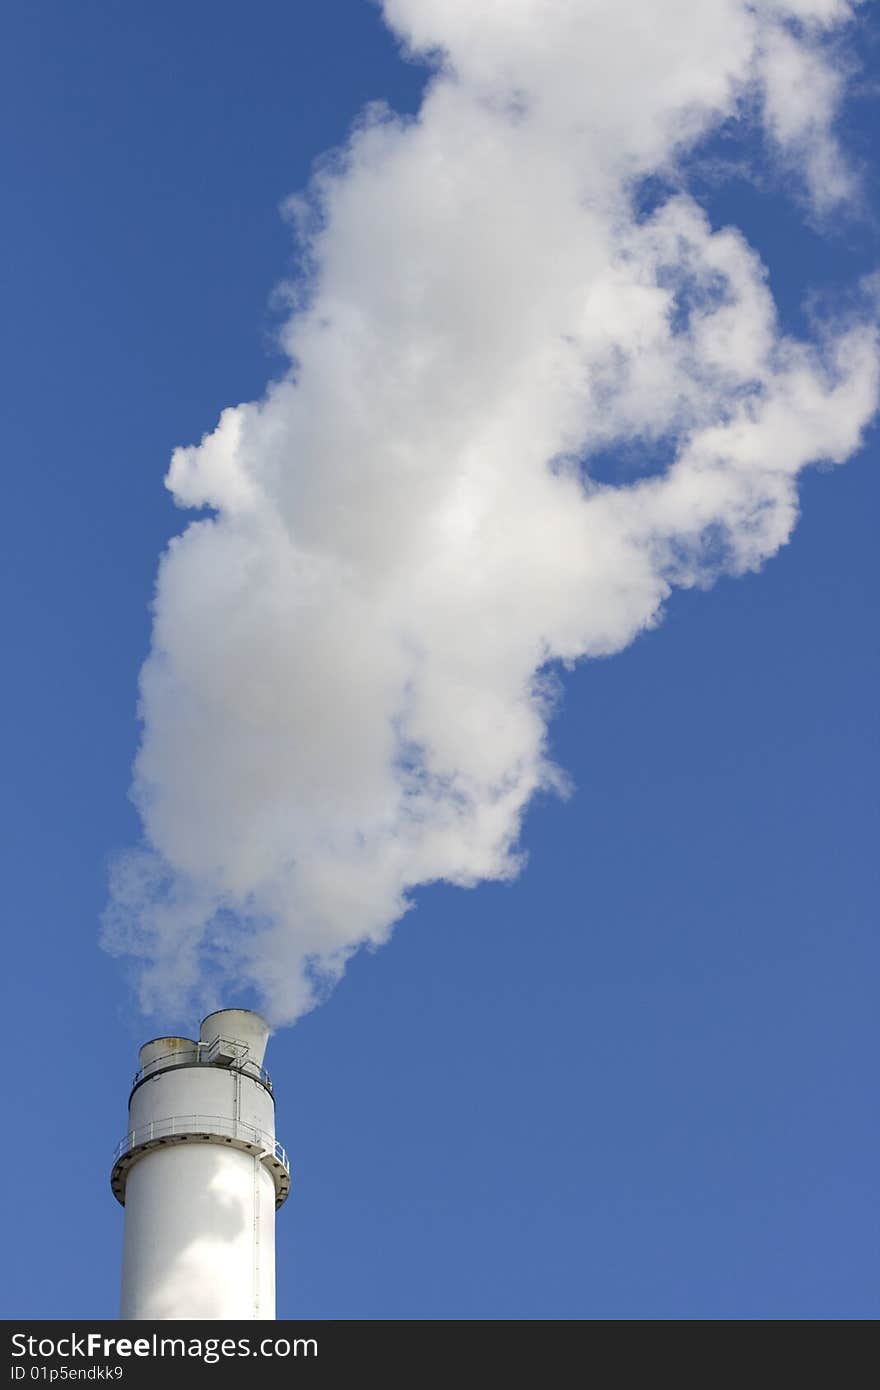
(201, 1175)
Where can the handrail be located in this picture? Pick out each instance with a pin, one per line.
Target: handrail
(206, 1125)
(205, 1052)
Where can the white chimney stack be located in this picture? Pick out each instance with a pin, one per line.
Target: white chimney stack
(201, 1175)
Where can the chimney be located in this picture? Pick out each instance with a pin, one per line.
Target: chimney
(201, 1175)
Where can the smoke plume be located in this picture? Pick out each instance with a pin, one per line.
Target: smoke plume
(353, 653)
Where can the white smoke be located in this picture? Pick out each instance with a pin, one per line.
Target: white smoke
(348, 692)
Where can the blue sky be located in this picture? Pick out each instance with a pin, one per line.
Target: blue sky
(634, 1083)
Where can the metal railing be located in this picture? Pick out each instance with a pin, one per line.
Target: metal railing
(203, 1127)
(205, 1054)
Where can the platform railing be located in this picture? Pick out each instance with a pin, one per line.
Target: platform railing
(206, 1052)
(205, 1127)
